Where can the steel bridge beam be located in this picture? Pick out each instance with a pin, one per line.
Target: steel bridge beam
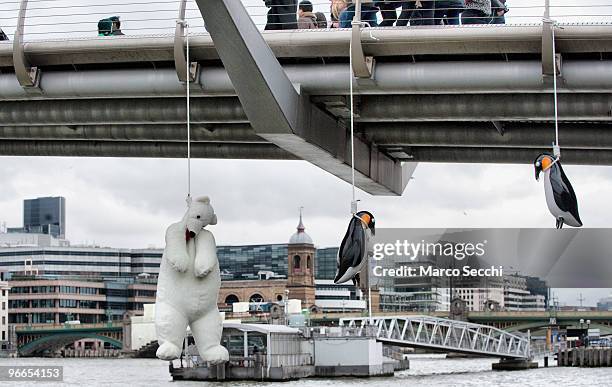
(433, 77)
(504, 155)
(221, 133)
(285, 116)
(79, 148)
(595, 136)
(485, 107)
(317, 129)
(482, 134)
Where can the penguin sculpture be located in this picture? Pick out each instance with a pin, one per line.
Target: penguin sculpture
(353, 253)
(560, 195)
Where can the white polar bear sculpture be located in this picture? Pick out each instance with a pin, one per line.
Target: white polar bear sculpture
(188, 287)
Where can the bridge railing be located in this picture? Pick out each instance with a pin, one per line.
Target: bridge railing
(43, 327)
(63, 19)
(444, 334)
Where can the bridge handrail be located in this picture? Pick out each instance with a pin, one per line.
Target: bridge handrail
(44, 327)
(47, 18)
(482, 339)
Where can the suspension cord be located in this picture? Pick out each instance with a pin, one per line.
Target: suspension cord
(556, 147)
(187, 83)
(351, 78)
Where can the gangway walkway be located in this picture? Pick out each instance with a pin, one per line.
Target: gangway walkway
(444, 335)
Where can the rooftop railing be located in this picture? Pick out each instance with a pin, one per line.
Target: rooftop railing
(64, 19)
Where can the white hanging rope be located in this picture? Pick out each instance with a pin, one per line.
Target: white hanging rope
(354, 201)
(556, 146)
(351, 78)
(187, 83)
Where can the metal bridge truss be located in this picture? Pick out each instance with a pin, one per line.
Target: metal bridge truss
(443, 335)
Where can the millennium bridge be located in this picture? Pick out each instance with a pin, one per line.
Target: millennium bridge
(453, 94)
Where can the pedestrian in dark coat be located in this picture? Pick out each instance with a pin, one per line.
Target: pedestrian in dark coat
(282, 14)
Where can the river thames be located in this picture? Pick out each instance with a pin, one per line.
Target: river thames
(424, 371)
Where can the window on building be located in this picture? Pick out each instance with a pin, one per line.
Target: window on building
(308, 264)
(296, 262)
(43, 304)
(87, 290)
(67, 303)
(230, 299)
(3, 305)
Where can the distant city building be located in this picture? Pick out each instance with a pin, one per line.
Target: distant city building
(434, 293)
(299, 282)
(245, 262)
(538, 286)
(36, 300)
(256, 273)
(605, 303)
(44, 216)
(414, 293)
(326, 263)
(236, 262)
(4, 310)
(82, 262)
(23, 239)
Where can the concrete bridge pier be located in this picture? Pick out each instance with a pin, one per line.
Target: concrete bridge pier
(514, 365)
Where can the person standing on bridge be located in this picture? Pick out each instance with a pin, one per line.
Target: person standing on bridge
(388, 11)
(116, 26)
(498, 11)
(282, 14)
(307, 20)
(336, 8)
(368, 15)
(110, 27)
(448, 12)
(476, 12)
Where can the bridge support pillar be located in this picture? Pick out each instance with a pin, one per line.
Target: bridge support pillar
(285, 115)
(514, 365)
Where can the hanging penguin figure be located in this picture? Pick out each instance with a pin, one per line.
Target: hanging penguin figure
(560, 195)
(353, 253)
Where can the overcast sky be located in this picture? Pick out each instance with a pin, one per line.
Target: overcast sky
(130, 202)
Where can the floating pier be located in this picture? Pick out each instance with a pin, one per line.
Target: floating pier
(280, 353)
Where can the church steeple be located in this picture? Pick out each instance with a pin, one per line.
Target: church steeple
(300, 226)
(300, 267)
(300, 237)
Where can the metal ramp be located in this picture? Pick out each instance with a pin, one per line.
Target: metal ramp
(442, 335)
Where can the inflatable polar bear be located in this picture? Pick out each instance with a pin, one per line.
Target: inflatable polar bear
(188, 287)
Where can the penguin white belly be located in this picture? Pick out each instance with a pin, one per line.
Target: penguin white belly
(552, 205)
(352, 271)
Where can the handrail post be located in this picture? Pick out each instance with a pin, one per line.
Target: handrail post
(550, 66)
(362, 65)
(28, 76)
(180, 59)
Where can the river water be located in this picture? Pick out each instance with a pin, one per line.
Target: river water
(424, 371)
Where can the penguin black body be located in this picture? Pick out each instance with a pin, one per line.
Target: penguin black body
(560, 196)
(353, 252)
